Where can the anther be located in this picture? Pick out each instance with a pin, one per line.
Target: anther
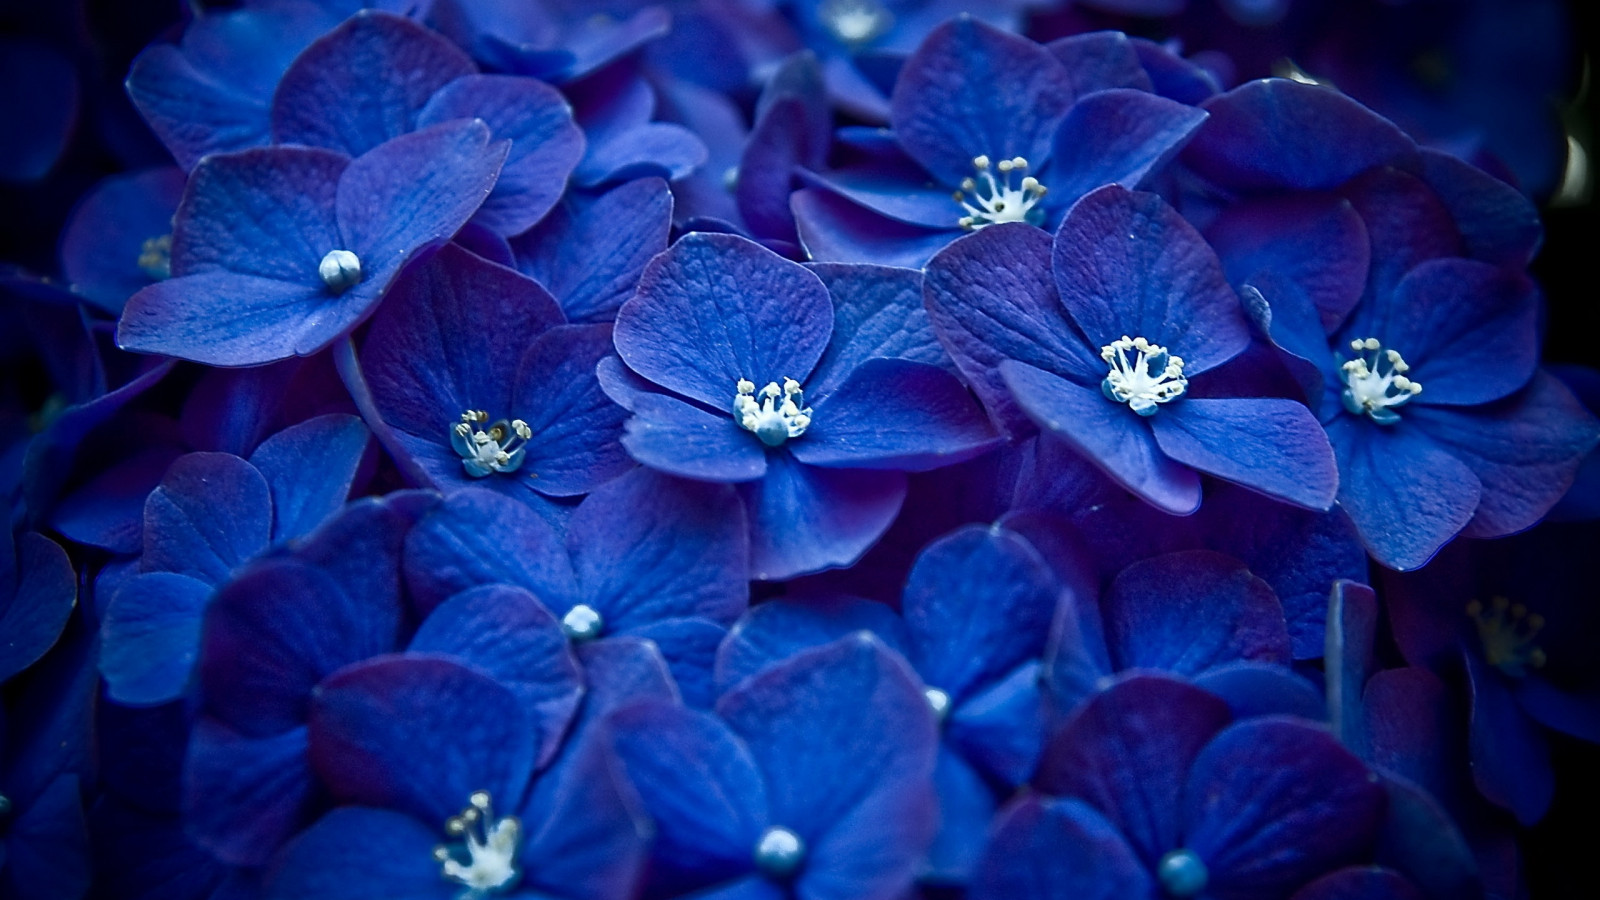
(485, 450)
(854, 22)
(582, 623)
(779, 853)
(1508, 631)
(155, 257)
(994, 200)
(340, 270)
(939, 701)
(779, 414)
(1375, 382)
(1150, 378)
(491, 850)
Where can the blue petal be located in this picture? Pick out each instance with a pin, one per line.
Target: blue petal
(1045, 849)
(833, 229)
(46, 852)
(1190, 611)
(977, 604)
(1468, 330)
(966, 805)
(699, 784)
(244, 796)
(895, 414)
(361, 852)
(576, 427)
(780, 628)
(1364, 883)
(150, 636)
(1498, 223)
(1100, 60)
(973, 90)
(46, 592)
(419, 735)
(1510, 756)
(689, 645)
(480, 537)
(224, 319)
(329, 97)
(1264, 689)
(1116, 136)
(680, 439)
(1113, 437)
(647, 547)
(507, 633)
(877, 312)
(310, 467)
(715, 309)
(186, 530)
(1000, 730)
(102, 243)
(590, 259)
(1350, 661)
(1268, 445)
(1126, 263)
(1316, 241)
(805, 519)
(1406, 225)
(1277, 133)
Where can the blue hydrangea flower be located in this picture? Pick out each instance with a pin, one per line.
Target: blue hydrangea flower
(735, 379)
(1095, 339)
(120, 237)
(1152, 790)
(280, 251)
(974, 616)
(813, 778)
(1016, 136)
(480, 383)
(288, 486)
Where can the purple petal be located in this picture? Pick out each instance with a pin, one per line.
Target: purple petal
(715, 309)
(833, 229)
(1187, 612)
(877, 312)
(1271, 802)
(895, 414)
(105, 239)
(184, 532)
(1046, 849)
(1268, 445)
(681, 439)
(1100, 60)
(1316, 241)
(506, 632)
(419, 735)
(330, 98)
(387, 853)
(1127, 264)
(1510, 755)
(545, 143)
(1127, 752)
(973, 90)
(1498, 223)
(1467, 329)
(576, 427)
(224, 319)
(46, 593)
(772, 632)
(648, 547)
(1116, 136)
(805, 519)
(1277, 133)
(451, 550)
(1111, 436)
(1363, 883)
(243, 796)
(310, 468)
(591, 259)
(991, 298)
(149, 637)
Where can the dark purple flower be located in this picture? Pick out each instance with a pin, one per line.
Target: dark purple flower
(813, 778)
(1096, 337)
(480, 383)
(280, 251)
(1003, 123)
(120, 237)
(38, 590)
(742, 377)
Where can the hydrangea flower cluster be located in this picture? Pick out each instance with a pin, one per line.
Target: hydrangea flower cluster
(842, 450)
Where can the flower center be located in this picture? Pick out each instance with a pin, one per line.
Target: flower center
(779, 852)
(855, 22)
(490, 846)
(990, 200)
(1507, 632)
(499, 448)
(155, 257)
(1182, 873)
(1375, 382)
(1152, 377)
(779, 414)
(582, 623)
(939, 701)
(340, 270)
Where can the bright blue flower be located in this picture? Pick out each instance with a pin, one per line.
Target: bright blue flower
(479, 382)
(1016, 136)
(293, 482)
(812, 778)
(280, 251)
(817, 425)
(1096, 340)
(643, 556)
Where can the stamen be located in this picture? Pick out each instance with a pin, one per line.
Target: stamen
(939, 701)
(1376, 382)
(582, 623)
(155, 257)
(779, 415)
(340, 270)
(1153, 377)
(1182, 873)
(855, 22)
(491, 850)
(497, 449)
(1000, 199)
(1507, 631)
(779, 853)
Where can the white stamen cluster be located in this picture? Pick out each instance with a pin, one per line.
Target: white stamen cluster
(1376, 383)
(1152, 377)
(497, 448)
(854, 22)
(491, 849)
(990, 200)
(779, 414)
